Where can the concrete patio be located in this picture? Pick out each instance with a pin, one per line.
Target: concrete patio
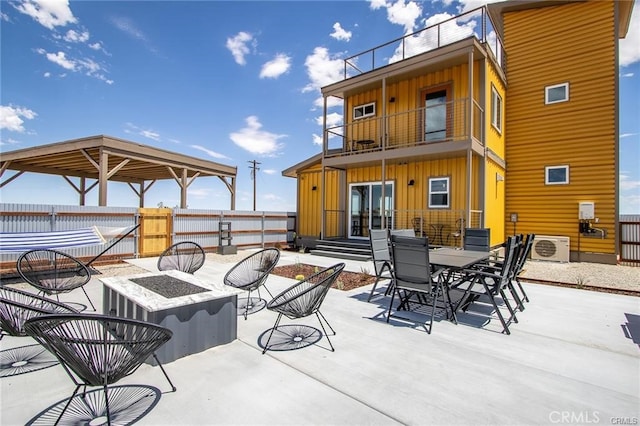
(573, 357)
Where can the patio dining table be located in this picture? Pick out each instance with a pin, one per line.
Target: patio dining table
(454, 259)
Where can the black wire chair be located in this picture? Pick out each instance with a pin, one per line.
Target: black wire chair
(53, 272)
(251, 273)
(16, 307)
(305, 298)
(98, 350)
(185, 256)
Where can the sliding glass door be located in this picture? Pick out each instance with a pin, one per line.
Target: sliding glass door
(366, 208)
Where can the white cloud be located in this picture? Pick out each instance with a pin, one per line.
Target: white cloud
(270, 171)
(447, 32)
(317, 139)
(127, 26)
(238, 46)
(630, 45)
(332, 102)
(47, 74)
(201, 193)
(399, 12)
(256, 141)
(60, 58)
(276, 67)
(339, 33)
(209, 152)
(322, 69)
(150, 134)
(333, 119)
(73, 36)
(626, 135)
(86, 65)
(626, 184)
(627, 75)
(48, 13)
(11, 118)
(9, 141)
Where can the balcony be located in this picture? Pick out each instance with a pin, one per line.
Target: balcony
(449, 130)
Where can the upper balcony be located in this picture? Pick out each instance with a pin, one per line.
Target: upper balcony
(442, 130)
(475, 23)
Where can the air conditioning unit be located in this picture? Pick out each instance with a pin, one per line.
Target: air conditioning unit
(547, 247)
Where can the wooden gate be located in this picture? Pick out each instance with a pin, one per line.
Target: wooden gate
(155, 231)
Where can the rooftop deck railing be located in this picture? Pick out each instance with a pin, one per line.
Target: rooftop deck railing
(475, 23)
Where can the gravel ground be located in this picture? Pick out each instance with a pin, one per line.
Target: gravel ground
(584, 274)
(576, 274)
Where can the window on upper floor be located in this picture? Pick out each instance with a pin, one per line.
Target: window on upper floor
(496, 109)
(556, 93)
(556, 175)
(366, 110)
(439, 192)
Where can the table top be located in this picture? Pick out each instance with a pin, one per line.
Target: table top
(452, 258)
(153, 301)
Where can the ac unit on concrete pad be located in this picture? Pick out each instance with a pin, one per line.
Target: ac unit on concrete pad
(553, 248)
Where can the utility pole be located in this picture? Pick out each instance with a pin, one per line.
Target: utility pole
(254, 166)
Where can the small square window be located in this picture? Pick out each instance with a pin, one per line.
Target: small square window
(439, 192)
(496, 109)
(366, 110)
(557, 93)
(556, 175)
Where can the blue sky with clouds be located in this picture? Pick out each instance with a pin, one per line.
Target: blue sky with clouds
(230, 82)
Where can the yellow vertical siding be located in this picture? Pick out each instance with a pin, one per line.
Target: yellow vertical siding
(572, 43)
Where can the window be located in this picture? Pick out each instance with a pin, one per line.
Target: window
(557, 93)
(439, 192)
(556, 175)
(365, 110)
(435, 116)
(496, 109)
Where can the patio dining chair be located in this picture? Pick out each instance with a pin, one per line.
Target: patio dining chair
(98, 350)
(414, 276)
(303, 299)
(185, 256)
(53, 272)
(16, 307)
(251, 273)
(491, 282)
(381, 257)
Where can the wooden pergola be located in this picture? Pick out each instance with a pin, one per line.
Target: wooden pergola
(104, 158)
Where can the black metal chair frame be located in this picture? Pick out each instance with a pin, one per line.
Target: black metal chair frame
(252, 272)
(98, 350)
(53, 272)
(379, 243)
(491, 281)
(415, 277)
(304, 298)
(17, 306)
(185, 256)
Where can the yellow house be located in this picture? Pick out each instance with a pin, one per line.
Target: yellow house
(505, 117)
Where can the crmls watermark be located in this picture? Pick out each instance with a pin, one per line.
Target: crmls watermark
(624, 420)
(572, 417)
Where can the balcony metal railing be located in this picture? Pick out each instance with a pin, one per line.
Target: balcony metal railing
(441, 226)
(406, 129)
(475, 23)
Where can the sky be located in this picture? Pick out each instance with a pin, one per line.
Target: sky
(227, 81)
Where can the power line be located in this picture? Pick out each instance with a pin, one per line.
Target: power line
(254, 167)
